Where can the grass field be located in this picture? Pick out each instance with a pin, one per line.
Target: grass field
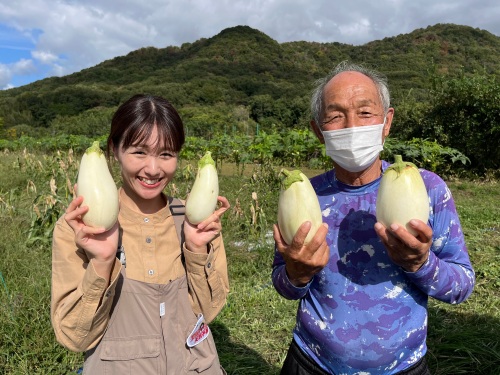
(254, 329)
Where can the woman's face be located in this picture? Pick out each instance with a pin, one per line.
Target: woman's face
(146, 171)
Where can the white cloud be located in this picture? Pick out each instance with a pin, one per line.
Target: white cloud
(58, 70)
(357, 30)
(23, 66)
(5, 76)
(70, 35)
(44, 57)
(7, 71)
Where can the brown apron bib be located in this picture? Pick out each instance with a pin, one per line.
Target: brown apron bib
(140, 341)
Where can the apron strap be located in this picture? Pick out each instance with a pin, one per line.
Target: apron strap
(178, 211)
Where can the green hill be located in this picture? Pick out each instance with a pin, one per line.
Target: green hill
(242, 76)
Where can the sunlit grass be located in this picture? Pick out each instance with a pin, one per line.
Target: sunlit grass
(254, 329)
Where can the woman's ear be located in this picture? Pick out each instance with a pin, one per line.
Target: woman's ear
(114, 150)
(317, 131)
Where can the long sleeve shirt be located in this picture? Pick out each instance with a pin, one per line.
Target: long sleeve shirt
(363, 314)
(82, 300)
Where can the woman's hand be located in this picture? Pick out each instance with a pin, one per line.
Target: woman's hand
(197, 237)
(99, 245)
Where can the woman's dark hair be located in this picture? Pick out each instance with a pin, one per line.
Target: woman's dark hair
(135, 120)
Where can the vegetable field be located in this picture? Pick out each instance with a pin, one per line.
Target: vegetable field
(254, 329)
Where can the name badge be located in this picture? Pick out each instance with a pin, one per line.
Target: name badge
(199, 333)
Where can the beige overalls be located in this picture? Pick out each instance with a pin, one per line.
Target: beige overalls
(140, 341)
(149, 322)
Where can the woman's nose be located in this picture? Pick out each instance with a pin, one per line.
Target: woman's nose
(152, 166)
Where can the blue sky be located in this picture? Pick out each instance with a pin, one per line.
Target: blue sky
(44, 38)
(16, 55)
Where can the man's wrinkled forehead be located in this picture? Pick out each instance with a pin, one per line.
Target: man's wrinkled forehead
(352, 87)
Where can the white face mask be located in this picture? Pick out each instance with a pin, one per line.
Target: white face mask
(354, 149)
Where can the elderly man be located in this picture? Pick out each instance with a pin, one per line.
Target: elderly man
(363, 287)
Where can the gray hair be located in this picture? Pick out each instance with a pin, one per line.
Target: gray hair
(378, 79)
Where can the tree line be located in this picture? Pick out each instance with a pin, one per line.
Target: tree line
(444, 83)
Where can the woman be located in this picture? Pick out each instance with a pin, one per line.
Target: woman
(133, 298)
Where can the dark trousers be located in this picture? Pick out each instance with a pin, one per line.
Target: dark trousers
(298, 363)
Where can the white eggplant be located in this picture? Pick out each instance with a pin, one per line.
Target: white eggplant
(297, 204)
(202, 199)
(98, 189)
(402, 195)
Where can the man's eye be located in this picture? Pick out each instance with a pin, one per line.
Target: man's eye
(331, 119)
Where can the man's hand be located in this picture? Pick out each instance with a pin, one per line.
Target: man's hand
(406, 250)
(303, 261)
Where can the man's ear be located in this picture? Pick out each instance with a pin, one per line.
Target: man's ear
(315, 129)
(388, 122)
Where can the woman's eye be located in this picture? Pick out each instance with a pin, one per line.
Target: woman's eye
(138, 152)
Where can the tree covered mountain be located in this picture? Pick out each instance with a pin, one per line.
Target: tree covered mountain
(241, 77)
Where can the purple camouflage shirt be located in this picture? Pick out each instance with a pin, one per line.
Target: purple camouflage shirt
(362, 314)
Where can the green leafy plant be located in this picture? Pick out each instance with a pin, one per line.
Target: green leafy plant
(254, 329)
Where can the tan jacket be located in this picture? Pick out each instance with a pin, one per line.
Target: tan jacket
(81, 303)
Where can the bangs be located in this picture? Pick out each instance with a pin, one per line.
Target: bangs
(141, 133)
(134, 123)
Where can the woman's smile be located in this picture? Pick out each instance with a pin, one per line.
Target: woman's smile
(150, 183)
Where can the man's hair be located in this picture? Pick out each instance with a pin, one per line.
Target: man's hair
(378, 79)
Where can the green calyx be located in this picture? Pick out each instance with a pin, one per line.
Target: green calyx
(290, 177)
(206, 160)
(399, 165)
(94, 148)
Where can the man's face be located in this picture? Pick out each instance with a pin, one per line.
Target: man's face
(351, 99)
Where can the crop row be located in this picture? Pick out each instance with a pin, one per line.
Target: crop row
(298, 148)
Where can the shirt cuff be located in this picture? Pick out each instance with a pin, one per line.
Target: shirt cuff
(199, 263)
(426, 274)
(286, 288)
(93, 285)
